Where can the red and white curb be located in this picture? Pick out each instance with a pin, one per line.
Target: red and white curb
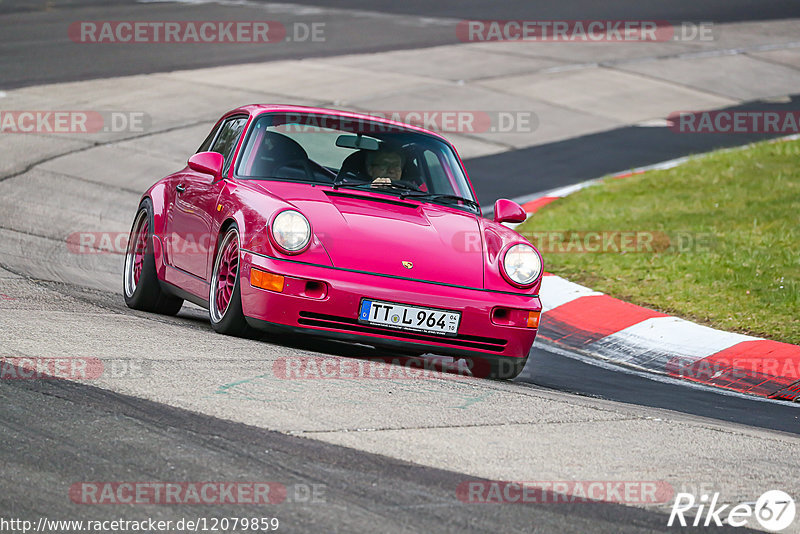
(606, 328)
(600, 326)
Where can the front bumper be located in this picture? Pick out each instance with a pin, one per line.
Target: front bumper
(325, 301)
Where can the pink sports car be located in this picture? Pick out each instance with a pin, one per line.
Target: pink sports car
(322, 222)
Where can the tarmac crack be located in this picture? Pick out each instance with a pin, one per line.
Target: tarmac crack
(68, 176)
(474, 425)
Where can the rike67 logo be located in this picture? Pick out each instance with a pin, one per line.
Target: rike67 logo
(774, 511)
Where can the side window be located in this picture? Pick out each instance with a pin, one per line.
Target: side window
(226, 141)
(207, 143)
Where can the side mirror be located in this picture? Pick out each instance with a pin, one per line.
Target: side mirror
(207, 163)
(508, 211)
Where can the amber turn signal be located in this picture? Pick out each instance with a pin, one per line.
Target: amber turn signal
(268, 281)
(533, 319)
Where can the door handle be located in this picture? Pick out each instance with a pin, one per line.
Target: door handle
(180, 188)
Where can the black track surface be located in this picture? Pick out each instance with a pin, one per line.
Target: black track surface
(56, 434)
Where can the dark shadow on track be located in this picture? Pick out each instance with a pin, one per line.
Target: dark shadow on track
(553, 371)
(44, 430)
(677, 10)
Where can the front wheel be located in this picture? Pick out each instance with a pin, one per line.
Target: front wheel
(140, 285)
(225, 295)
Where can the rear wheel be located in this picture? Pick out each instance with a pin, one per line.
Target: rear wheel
(225, 296)
(140, 285)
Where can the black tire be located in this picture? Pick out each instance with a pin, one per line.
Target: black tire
(231, 320)
(145, 293)
(498, 367)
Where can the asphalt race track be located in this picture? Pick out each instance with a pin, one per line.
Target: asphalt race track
(34, 53)
(385, 456)
(360, 490)
(552, 370)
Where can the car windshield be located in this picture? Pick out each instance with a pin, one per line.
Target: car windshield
(354, 153)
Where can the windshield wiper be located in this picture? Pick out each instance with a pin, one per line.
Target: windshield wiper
(337, 185)
(395, 185)
(439, 196)
(369, 185)
(339, 181)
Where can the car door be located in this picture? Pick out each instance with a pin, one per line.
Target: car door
(192, 213)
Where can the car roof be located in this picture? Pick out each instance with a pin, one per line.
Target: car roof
(258, 109)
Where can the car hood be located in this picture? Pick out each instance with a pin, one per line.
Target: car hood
(381, 234)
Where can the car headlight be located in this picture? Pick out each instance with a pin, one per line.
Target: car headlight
(522, 264)
(291, 231)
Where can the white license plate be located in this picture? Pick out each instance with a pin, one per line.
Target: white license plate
(414, 318)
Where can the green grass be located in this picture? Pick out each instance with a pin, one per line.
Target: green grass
(744, 203)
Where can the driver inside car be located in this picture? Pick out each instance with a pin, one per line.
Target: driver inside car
(385, 167)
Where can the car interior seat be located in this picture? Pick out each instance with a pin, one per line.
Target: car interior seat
(279, 156)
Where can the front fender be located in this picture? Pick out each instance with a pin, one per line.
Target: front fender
(497, 238)
(252, 210)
